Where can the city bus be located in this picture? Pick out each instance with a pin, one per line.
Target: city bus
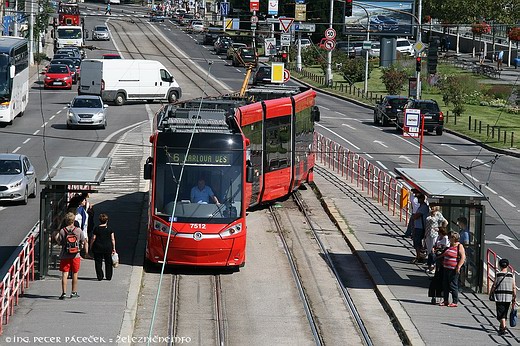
(247, 152)
(14, 77)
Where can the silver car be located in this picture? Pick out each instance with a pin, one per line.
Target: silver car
(17, 178)
(100, 32)
(87, 110)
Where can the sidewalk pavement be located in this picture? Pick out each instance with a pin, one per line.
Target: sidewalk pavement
(104, 314)
(376, 237)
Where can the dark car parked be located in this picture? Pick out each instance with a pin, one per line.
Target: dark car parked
(385, 111)
(262, 75)
(430, 111)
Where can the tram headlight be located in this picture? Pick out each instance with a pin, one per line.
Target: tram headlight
(233, 230)
(158, 226)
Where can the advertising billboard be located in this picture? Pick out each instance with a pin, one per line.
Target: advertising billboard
(384, 18)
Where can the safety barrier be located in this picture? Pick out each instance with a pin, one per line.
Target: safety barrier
(372, 180)
(18, 276)
(492, 260)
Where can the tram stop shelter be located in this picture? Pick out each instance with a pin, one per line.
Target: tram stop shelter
(67, 177)
(456, 200)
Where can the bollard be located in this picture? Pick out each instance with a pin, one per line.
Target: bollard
(480, 127)
(505, 135)
(475, 125)
(492, 132)
(455, 119)
(512, 141)
(498, 133)
(487, 130)
(469, 122)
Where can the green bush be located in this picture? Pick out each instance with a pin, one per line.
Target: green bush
(499, 91)
(454, 88)
(394, 79)
(353, 70)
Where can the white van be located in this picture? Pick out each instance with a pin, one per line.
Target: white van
(119, 80)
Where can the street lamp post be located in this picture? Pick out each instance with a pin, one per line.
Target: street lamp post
(419, 39)
(365, 86)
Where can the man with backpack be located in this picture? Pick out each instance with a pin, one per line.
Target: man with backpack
(71, 239)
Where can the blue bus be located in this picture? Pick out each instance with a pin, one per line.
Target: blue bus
(14, 77)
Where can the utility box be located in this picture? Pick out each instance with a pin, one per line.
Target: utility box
(388, 51)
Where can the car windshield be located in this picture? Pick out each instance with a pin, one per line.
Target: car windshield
(57, 69)
(403, 44)
(398, 103)
(10, 167)
(69, 63)
(86, 103)
(248, 52)
(66, 33)
(101, 28)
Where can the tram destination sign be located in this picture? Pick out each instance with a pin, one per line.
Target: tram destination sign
(202, 159)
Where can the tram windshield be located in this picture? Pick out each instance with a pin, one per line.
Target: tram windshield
(210, 189)
(5, 80)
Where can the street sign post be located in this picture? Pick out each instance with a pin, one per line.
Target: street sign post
(285, 40)
(224, 9)
(329, 44)
(367, 45)
(304, 27)
(254, 5)
(254, 19)
(286, 75)
(270, 46)
(285, 23)
(330, 33)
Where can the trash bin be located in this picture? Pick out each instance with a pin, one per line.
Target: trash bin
(516, 62)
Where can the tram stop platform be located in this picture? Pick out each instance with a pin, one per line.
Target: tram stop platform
(377, 238)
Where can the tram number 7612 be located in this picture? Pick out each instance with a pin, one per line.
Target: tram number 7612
(197, 225)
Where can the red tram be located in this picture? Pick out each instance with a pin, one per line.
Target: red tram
(246, 153)
(68, 14)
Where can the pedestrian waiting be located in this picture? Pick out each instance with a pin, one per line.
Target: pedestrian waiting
(103, 245)
(454, 258)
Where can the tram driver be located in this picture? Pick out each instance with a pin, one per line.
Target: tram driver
(201, 193)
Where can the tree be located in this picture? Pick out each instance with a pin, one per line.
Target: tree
(453, 89)
(353, 70)
(394, 79)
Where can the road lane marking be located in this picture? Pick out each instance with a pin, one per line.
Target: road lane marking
(471, 177)
(490, 189)
(334, 133)
(14, 151)
(44, 124)
(52, 117)
(368, 155)
(505, 200)
(406, 158)
(480, 161)
(381, 143)
(449, 146)
(36, 132)
(349, 126)
(413, 145)
(327, 109)
(382, 166)
(27, 140)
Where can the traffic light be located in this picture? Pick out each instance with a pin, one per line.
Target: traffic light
(418, 64)
(348, 8)
(433, 56)
(283, 56)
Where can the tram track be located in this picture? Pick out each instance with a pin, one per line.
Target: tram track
(177, 302)
(316, 318)
(163, 50)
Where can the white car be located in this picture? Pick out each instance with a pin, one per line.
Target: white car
(196, 27)
(404, 46)
(305, 42)
(17, 178)
(87, 110)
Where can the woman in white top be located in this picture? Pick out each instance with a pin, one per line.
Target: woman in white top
(433, 221)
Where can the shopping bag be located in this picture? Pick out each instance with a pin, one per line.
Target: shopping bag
(513, 316)
(115, 260)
